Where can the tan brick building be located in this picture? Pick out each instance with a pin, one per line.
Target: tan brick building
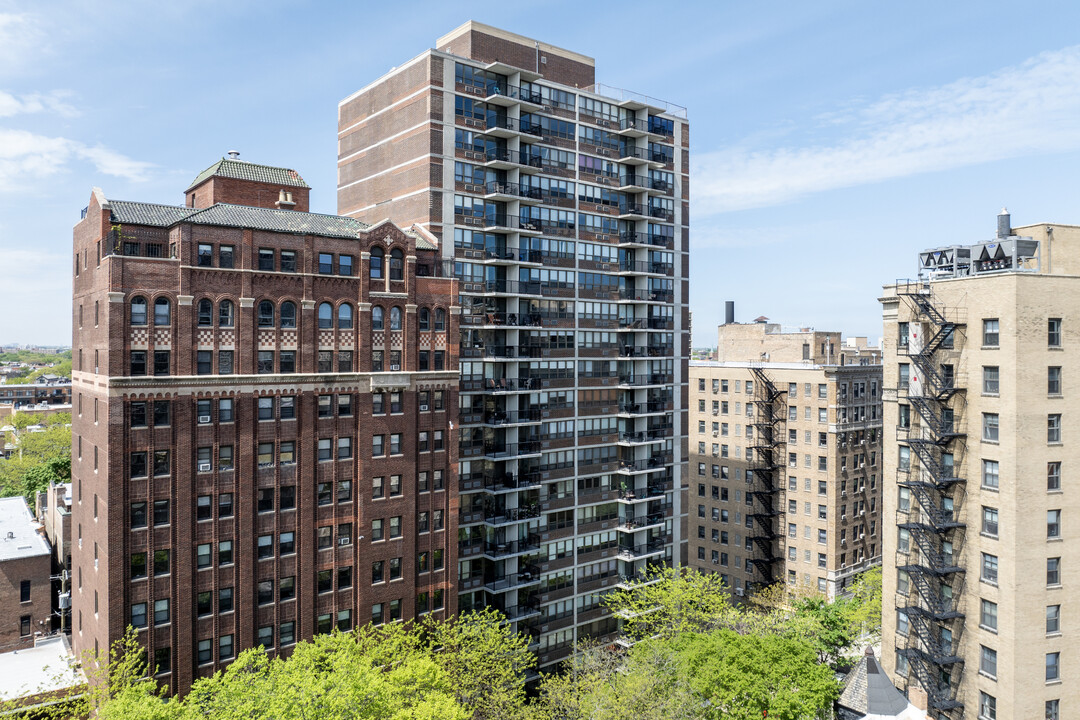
(983, 551)
(785, 466)
(264, 444)
(564, 206)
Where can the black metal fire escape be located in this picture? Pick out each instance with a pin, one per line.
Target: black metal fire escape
(936, 536)
(767, 463)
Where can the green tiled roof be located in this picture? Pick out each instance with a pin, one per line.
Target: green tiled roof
(251, 171)
(244, 216)
(138, 213)
(290, 221)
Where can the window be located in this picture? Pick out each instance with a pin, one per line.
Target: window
(265, 546)
(138, 311)
(1054, 333)
(1053, 666)
(395, 443)
(161, 512)
(138, 615)
(225, 552)
(161, 362)
(225, 313)
(1053, 476)
(988, 661)
(225, 410)
(990, 521)
(440, 320)
(266, 314)
(138, 570)
(424, 320)
(395, 527)
(395, 486)
(161, 562)
(1053, 381)
(990, 427)
(1053, 428)
(205, 313)
(345, 316)
(226, 256)
(990, 474)
(1053, 571)
(1053, 619)
(204, 362)
(990, 568)
(375, 266)
(225, 647)
(395, 318)
(287, 317)
(1053, 524)
(377, 446)
(266, 259)
(344, 448)
(988, 615)
(990, 332)
(326, 316)
(202, 556)
(162, 311)
(990, 380)
(987, 706)
(1053, 710)
(397, 264)
(376, 530)
(161, 611)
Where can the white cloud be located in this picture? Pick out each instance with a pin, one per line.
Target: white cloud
(1031, 108)
(27, 156)
(21, 40)
(54, 102)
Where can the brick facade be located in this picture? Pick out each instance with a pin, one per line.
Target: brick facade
(266, 403)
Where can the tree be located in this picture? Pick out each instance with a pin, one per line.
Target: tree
(825, 625)
(737, 677)
(669, 601)
(865, 608)
(485, 660)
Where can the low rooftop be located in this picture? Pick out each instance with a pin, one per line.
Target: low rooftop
(242, 170)
(19, 535)
(46, 667)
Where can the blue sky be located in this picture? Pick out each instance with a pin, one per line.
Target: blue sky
(832, 140)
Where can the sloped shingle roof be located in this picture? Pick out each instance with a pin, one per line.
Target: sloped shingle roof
(138, 213)
(225, 215)
(251, 171)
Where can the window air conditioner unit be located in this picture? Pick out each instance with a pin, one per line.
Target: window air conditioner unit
(204, 467)
(843, 518)
(204, 418)
(423, 408)
(395, 367)
(343, 541)
(740, 592)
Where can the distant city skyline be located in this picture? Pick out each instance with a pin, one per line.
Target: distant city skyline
(838, 138)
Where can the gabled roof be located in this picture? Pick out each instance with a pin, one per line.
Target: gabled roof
(139, 213)
(291, 221)
(868, 690)
(250, 171)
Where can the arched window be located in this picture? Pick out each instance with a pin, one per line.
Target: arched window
(395, 318)
(225, 314)
(425, 319)
(344, 317)
(376, 263)
(288, 314)
(266, 314)
(138, 311)
(376, 318)
(206, 312)
(397, 265)
(440, 320)
(326, 316)
(162, 311)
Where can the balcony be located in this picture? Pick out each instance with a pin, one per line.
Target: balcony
(499, 222)
(496, 190)
(502, 418)
(499, 550)
(511, 581)
(505, 94)
(504, 516)
(506, 127)
(502, 158)
(633, 127)
(642, 550)
(632, 211)
(504, 451)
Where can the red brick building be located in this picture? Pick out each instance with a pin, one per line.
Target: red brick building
(263, 422)
(25, 587)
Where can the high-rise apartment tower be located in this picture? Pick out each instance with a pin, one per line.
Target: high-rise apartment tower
(564, 206)
(983, 556)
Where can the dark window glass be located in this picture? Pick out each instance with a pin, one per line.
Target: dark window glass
(206, 313)
(266, 259)
(225, 256)
(266, 314)
(288, 314)
(204, 362)
(138, 362)
(161, 512)
(326, 263)
(345, 265)
(161, 362)
(288, 261)
(137, 413)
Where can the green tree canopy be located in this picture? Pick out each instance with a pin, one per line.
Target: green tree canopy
(669, 601)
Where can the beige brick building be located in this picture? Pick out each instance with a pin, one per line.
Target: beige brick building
(785, 482)
(983, 552)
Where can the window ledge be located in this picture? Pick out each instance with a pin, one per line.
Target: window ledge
(987, 675)
(989, 442)
(988, 629)
(988, 536)
(1054, 443)
(991, 583)
(987, 488)
(1055, 539)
